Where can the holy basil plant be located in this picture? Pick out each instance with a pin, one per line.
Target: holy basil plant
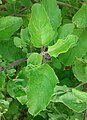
(43, 59)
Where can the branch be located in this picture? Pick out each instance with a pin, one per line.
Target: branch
(15, 63)
(22, 10)
(67, 5)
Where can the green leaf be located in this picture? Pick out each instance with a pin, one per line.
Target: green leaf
(80, 95)
(62, 46)
(26, 3)
(73, 103)
(40, 87)
(2, 80)
(53, 12)
(35, 59)
(85, 0)
(56, 116)
(65, 95)
(9, 25)
(9, 51)
(0, 2)
(11, 1)
(18, 42)
(65, 30)
(23, 41)
(80, 70)
(22, 99)
(1, 95)
(80, 18)
(4, 105)
(15, 88)
(13, 110)
(56, 63)
(25, 35)
(39, 26)
(76, 116)
(69, 57)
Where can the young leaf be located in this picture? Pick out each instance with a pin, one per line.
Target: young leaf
(80, 70)
(23, 41)
(15, 88)
(4, 105)
(35, 59)
(9, 25)
(39, 26)
(40, 88)
(25, 35)
(80, 18)
(53, 12)
(18, 42)
(62, 46)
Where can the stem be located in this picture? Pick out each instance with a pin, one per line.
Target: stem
(22, 10)
(67, 5)
(42, 52)
(15, 63)
(81, 84)
(85, 113)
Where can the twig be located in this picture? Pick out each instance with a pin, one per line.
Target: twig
(81, 84)
(22, 10)
(83, 2)
(15, 63)
(67, 5)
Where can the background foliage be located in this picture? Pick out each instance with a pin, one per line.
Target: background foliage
(43, 59)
